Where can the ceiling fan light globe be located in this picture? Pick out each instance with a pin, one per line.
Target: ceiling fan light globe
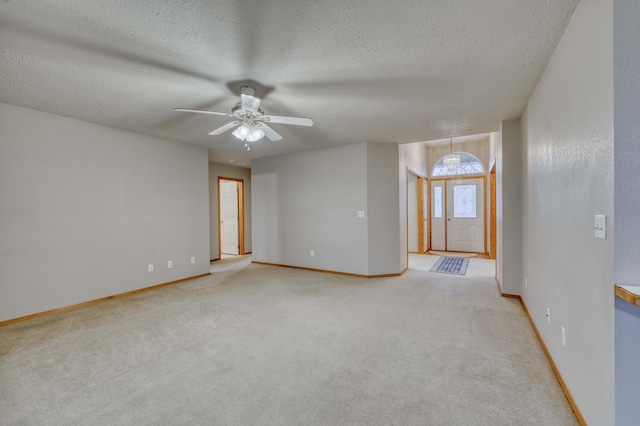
(256, 134)
(237, 134)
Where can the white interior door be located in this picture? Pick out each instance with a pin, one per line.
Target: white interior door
(465, 215)
(437, 215)
(229, 217)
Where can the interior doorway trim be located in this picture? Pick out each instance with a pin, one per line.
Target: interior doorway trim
(240, 183)
(484, 202)
(422, 181)
(493, 229)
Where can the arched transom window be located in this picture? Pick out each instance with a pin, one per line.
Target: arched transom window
(469, 165)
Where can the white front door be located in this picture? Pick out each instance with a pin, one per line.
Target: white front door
(465, 215)
(437, 216)
(229, 217)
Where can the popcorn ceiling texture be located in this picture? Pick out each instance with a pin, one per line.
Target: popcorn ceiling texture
(363, 70)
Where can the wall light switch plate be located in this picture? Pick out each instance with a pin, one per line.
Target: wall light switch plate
(360, 213)
(601, 226)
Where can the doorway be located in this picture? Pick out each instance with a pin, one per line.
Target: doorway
(458, 211)
(230, 216)
(417, 216)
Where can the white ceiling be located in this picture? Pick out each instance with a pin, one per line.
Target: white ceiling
(363, 70)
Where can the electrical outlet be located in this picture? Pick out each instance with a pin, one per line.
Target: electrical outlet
(151, 267)
(193, 259)
(311, 253)
(564, 336)
(360, 213)
(170, 264)
(548, 316)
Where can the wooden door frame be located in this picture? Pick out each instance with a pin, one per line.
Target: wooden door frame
(420, 178)
(240, 183)
(493, 228)
(444, 194)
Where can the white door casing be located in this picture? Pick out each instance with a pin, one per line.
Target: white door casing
(465, 215)
(425, 214)
(437, 215)
(412, 212)
(229, 217)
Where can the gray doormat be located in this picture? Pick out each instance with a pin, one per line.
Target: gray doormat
(451, 265)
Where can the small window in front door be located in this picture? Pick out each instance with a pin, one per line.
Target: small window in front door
(464, 201)
(437, 202)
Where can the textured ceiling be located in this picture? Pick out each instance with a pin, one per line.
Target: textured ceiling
(363, 70)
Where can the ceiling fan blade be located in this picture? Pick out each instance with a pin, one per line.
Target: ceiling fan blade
(220, 130)
(250, 103)
(281, 119)
(270, 133)
(201, 111)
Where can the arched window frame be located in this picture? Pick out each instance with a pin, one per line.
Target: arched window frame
(468, 166)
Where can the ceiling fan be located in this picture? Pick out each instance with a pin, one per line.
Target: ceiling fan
(250, 120)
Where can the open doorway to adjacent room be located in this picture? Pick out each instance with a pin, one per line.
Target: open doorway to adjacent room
(230, 216)
(417, 213)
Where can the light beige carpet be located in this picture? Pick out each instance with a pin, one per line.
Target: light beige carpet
(274, 346)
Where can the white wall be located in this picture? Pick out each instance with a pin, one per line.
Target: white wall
(382, 209)
(310, 201)
(223, 170)
(567, 129)
(627, 206)
(509, 206)
(413, 156)
(85, 208)
(496, 146)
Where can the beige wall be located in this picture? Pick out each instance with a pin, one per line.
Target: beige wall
(414, 156)
(84, 208)
(223, 170)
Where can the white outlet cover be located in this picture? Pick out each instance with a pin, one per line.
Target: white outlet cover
(564, 336)
(170, 264)
(151, 267)
(360, 213)
(312, 253)
(548, 316)
(193, 259)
